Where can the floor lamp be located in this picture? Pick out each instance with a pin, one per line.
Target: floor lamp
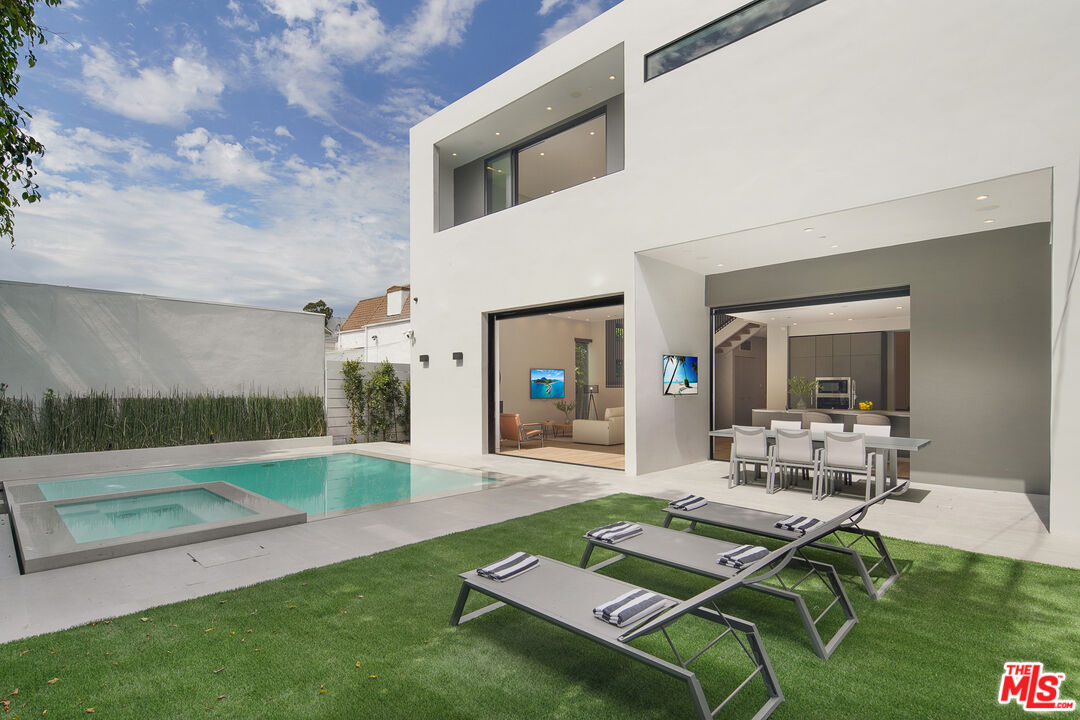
(592, 391)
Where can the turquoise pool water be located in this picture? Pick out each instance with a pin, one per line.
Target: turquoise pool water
(315, 485)
(107, 519)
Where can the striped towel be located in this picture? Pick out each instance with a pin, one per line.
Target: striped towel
(630, 607)
(615, 532)
(690, 502)
(798, 523)
(509, 567)
(742, 556)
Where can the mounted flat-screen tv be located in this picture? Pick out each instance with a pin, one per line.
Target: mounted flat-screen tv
(546, 383)
(680, 375)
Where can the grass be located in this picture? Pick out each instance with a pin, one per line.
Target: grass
(368, 638)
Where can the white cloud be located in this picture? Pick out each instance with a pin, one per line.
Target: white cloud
(324, 37)
(406, 107)
(238, 19)
(282, 131)
(582, 12)
(330, 147)
(217, 159)
(163, 96)
(433, 24)
(547, 6)
(82, 150)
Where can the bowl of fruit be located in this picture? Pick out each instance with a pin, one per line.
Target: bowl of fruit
(868, 405)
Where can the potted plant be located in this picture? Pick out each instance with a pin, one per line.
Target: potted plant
(566, 408)
(803, 388)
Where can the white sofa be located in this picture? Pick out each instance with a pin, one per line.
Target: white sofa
(608, 431)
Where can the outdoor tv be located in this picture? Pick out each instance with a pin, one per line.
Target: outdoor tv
(680, 375)
(546, 384)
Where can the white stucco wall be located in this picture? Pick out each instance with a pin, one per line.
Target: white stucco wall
(383, 342)
(75, 340)
(844, 105)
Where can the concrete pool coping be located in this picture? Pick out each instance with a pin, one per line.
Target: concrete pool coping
(43, 541)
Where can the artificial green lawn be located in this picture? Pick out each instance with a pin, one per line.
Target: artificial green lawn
(369, 638)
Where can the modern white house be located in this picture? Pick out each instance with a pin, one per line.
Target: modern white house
(378, 329)
(686, 160)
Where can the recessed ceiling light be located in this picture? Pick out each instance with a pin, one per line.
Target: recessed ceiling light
(832, 313)
(550, 192)
(453, 154)
(851, 318)
(793, 324)
(834, 246)
(611, 77)
(989, 221)
(593, 177)
(548, 107)
(808, 229)
(498, 133)
(592, 132)
(541, 154)
(719, 264)
(899, 307)
(983, 197)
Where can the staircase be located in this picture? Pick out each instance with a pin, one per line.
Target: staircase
(734, 332)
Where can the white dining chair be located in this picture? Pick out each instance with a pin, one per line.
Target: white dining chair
(785, 424)
(877, 430)
(794, 450)
(750, 446)
(844, 453)
(822, 427)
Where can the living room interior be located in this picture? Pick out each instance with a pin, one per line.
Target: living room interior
(559, 384)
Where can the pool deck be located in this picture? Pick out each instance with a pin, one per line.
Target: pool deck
(998, 523)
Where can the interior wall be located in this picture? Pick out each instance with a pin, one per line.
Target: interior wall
(776, 394)
(669, 318)
(76, 340)
(542, 341)
(980, 359)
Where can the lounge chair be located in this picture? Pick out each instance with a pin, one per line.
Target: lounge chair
(763, 523)
(698, 554)
(565, 595)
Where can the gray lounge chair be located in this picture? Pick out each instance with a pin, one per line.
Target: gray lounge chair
(697, 554)
(565, 595)
(763, 523)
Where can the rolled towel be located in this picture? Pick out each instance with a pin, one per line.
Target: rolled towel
(798, 523)
(690, 502)
(509, 567)
(742, 556)
(632, 606)
(615, 532)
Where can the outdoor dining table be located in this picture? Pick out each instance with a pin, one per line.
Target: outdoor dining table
(884, 447)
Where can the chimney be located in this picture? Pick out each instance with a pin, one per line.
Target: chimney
(395, 298)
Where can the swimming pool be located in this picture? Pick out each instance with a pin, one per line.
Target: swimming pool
(315, 485)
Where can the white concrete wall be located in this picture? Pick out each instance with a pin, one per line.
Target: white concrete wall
(670, 318)
(844, 105)
(76, 340)
(377, 343)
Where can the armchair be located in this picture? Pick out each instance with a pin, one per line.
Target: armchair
(511, 428)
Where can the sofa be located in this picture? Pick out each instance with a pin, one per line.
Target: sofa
(608, 431)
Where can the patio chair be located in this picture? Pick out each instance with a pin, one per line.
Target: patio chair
(794, 451)
(750, 446)
(843, 454)
(511, 428)
(698, 554)
(787, 425)
(565, 595)
(843, 540)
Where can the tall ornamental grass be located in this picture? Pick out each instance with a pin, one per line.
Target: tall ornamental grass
(103, 421)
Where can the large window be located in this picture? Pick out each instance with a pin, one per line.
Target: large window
(566, 157)
(728, 29)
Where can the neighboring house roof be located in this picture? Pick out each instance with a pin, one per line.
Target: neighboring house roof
(373, 310)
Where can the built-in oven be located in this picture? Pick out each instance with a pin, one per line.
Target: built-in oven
(835, 393)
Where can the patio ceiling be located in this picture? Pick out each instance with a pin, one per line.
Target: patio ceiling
(990, 205)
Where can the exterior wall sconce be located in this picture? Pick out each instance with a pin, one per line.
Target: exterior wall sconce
(424, 359)
(458, 356)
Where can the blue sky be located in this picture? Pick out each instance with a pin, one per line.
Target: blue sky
(248, 151)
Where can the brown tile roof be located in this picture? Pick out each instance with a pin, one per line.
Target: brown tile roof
(373, 310)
